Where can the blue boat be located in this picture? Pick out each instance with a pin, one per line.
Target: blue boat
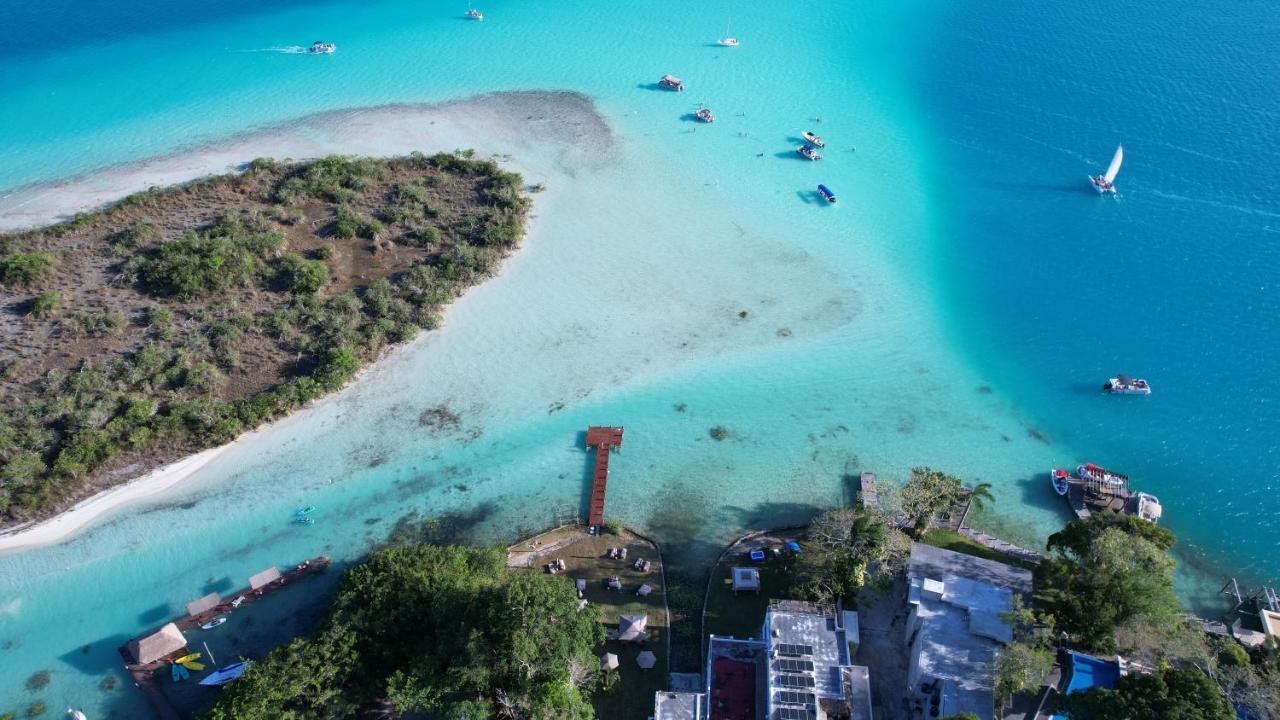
(225, 675)
(303, 520)
(178, 673)
(826, 193)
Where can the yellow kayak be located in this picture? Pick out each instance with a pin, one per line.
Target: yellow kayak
(187, 658)
(193, 666)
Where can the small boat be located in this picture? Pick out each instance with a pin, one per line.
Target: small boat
(178, 673)
(1124, 385)
(475, 15)
(225, 675)
(76, 714)
(213, 623)
(187, 658)
(1060, 478)
(1149, 508)
(1106, 183)
(809, 152)
(705, 115)
(321, 48)
(826, 193)
(672, 82)
(304, 511)
(812, 139)
(727, 42)
(1089, 471)
(193, 666)
(304, 520)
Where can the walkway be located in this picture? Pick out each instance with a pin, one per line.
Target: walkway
(604, 440)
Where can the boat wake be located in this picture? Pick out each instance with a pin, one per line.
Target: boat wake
(285, 50)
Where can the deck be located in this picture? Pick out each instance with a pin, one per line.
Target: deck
(604, 439)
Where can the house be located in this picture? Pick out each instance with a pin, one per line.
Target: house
(954, 628)
(800, 670)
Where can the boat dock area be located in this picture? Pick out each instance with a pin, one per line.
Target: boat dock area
(151, 651)
(605, 440)
(1122, 501)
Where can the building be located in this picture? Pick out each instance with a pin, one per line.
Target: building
(746, 579)
(800, 670)
(954, 628)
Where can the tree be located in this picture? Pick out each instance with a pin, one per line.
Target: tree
(962, 716)
(848, 549)
(980, 495)
(1020, 666)
(1184, 693)
(927, 492)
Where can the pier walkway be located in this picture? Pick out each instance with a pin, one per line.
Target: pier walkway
(604, 439)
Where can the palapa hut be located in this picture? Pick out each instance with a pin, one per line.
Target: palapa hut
(631, 628)
(264, 578)
(204, 604)
(609, 661)
(149, 648)
(646, 660)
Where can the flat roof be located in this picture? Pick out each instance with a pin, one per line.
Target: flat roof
(928, 561)
(859, 692)
(678, 706)
(813, 636)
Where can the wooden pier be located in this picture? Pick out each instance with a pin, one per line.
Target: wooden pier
(604, 440)
(143, 673)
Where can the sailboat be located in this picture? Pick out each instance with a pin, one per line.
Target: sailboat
(1106, 183)
(728, 40)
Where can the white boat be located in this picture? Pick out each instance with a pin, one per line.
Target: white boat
(1060, 479)
(213, 623)
(1149, 507)
(1124, 385)
(728, 42)
(1089, 471)
(321, 48)
(812, 139)
(1106, 183)
(807, 152)
(672, 82)
(475, 15)
(705, 115)
(76, 714)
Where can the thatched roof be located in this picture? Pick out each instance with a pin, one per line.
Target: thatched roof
(208, 602)
(266, 577)
(631, 627)
(158, 644)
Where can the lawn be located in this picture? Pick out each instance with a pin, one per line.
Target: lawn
(949, 540)
(741, 615)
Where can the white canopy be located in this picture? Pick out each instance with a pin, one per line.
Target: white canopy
(609, 661)
(644, 590)
(631, 628)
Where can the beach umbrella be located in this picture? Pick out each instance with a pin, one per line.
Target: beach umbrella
(609, 661)
(646, 660)
(644, 590)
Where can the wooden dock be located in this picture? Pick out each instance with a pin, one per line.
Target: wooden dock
(143, 674)
(605, 440)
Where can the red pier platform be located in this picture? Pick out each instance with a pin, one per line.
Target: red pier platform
(604, 440)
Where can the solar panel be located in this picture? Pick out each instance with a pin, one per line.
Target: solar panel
(792, 713)
(795, 681)
(794, 650)
(795, 698)
(789, 665)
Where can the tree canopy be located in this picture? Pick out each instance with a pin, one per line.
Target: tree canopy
(1183, 693)
(848, 550)
(926, 493)
(446, 631)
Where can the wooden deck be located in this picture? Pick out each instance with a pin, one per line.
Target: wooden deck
(604, 439)
(143, 674)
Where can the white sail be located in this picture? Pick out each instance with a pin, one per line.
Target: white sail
(1114, 168)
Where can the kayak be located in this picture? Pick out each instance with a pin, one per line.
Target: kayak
(213, 623)
(225, 675)
(305, 511)
(193, 666)
(187, 658)
(179, 673)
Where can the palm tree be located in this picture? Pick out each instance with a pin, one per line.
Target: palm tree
(980, 495)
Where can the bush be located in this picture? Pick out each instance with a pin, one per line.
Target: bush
(27, 268)
(46, 304)
(193, 266)
(94, 324)
(424, 237)
(349, 224)
(136, 237)
(301, 276)
(612, 527)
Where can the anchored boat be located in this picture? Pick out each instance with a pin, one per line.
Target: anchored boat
(705, 115)
(827, 193)
(213, 623)
(1124, 385)
(672, 82)
(808, 152)
(1060, 479)
(812, 139)
(225, 675)
(475, 15)
(321, 48)
(1106, 183)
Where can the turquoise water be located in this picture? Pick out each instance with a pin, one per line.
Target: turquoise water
(951, 310)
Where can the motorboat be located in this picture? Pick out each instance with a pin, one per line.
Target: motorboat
(1106, 183)
(827, 193)
(321, 48)
(705, 115)
(812, 139)
(225, 675)
(1124, 385)
(727, 42)
(213, 623)
(1060, 479)
(1094, 473)
(808, 152)
(300, 512)
(475, 15)
(1149, 508)
(672, 82)
(76, 714)
(304, 520)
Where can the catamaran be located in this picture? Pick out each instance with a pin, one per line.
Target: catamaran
(1106, 183)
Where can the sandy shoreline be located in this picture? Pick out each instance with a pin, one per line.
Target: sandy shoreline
(563, 120)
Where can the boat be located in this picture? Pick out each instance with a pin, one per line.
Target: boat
(193, 666)
(672, 82)
(826, 193)
(1095, 473)
(76, 714)
(187, 658)
(1060, 479)
(213, 623)
(727, 42)
(1124, 385)
(809, 152)
(321, 48)
(178, 673)
(304, 520)
(1106, 183)
(1149, 507)
(225, 675)
(304, 511)
(812, 139)
(705, 115)
(475, 15)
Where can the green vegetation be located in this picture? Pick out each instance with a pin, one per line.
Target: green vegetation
(1171, 692)
(26, 268)
(443, 632)
(928, 492)
(1024, 663)
(185, 336)
(849, 550)
(954, 541)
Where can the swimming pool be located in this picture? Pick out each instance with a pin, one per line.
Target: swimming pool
(1090, 672)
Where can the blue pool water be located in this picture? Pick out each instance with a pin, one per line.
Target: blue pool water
(1090, 672)
(958, 307)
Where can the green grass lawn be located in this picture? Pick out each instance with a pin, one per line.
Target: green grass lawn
(741, 615)
(949, 540)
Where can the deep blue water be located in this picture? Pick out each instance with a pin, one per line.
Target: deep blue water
(1052, 289)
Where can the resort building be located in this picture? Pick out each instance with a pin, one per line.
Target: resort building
(800, 670)
(954, 628)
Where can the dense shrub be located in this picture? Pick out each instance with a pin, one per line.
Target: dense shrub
(27, 268)
(46, 304)
(299, 275)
